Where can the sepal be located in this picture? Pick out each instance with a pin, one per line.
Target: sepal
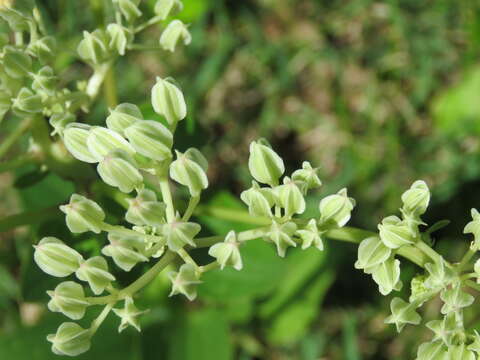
(95, 272)
(185, 281)
(129, 315)
(178, 234)
(310, 235)
(282, 236)
(228, 252)
(403, 313)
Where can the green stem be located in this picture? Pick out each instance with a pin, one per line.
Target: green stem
(97, 79)
(110, 88)
(101, 318)
(118, 229)
(148, 23)
(213, 265)
(142, 47)
(466, 258)
(167, 198)
(186, 257)
(28, 218)
(232, 215)
(427, 250)
(14, 136)
(192, 204)
(17, 162)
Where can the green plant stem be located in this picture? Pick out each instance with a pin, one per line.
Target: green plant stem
(96, 80)
(144, 47)
(427, 250)
(192, 204)
(232, 215)
(28, 218)
(101, 318)
(466, 258)
(118, 229)
(14, 136)
(152, 21)
(167, 198)
(17, 162)
(186, 257)
(211, 266)
(110, 88)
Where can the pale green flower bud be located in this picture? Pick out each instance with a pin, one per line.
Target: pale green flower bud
(264, 164)
(259, 200)
(69, 299)
(189, 169)
(455, 299)
(310, 235)
(168, 101)
(101, 141)
(402, 313)
(416, 199)
(71, 340)
(394, 233)
(55, 258)
(129, 9)
(75, 138)
(433, 351)
(27, 102)
(16, 63)
(439, 275)
(473, 227)
(444, 330)
(460, 352)
(123, 254)
(178, 234)
(308, 176)
(336, 208)
(83, 215)
(119, 37)
(227, 252)
(59, 122)
(44, 81)
(174, 33)
(43, 48)
(119, 169)
(95, 272)
(290, 197)
(282, 236)
(123, 116)
(372, 252)
(151, 139)
(386, 275)
(418, 291)
(145, 209)
(185, 281)
(129, 315)
(94, 47)
(164, 8)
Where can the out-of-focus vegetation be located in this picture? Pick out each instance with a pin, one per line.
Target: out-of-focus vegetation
(376, 93)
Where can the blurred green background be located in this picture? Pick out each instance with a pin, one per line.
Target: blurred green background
(375, 93)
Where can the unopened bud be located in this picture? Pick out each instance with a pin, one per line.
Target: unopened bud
(227, 252)
(101, 141)
(146, 210)
(174, 33)
(264, 164)
(259, 200)
(75, 138)
(189, 169)
(336, 208)
(164, 8)
(95, 272)
(83, 214)
(71, 340)
(123, 116)
(168, 101)
(69, 299)
(281, 235)
(119, 169)
(55, 258)
(94, 47)
(178, 234)
(185, 281)
(151, 139)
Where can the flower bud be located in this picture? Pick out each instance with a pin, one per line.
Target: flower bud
(101, 141)
(308, 176)
(281, 235)
(336, 208)
(129, 315)
(43, 48)
(122, 253)
(227, 252)
(433, 350)
(395, 233)
(185, 281)
(119, 169)
(123, 116)
(178, 234)
(119, 37)
(71, 340)
(94, 47)
(386, 275)
(372, 252)
(460, 352)
(473, 227)
(95, 272)
(164, 8)
(455, 299)
(129, 9)
(290, 197)
(440, 275)
(264, 164)
(310, 235)
(190, 170)
(402, 313)
(27, 102)
(416, 199)
(16, 63)
(44, 81)
(145, 209)
(75, 138)
(83, 215)
(59, 122)
(55, 258)
(151, 139)
(259, 200)
(168, 101)
(69, 299)
(175, 32)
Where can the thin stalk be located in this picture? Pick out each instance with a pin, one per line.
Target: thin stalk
(186, 257)
(466, 258)
(14, 136)
(101, 318)
(148, 23)
(128, 232)
(427, 250)
(144, 47)
(213, 265)
(28, 218)
(192, 204)
(97, 79)
(167, 198)
(110, 88)
(232, 215)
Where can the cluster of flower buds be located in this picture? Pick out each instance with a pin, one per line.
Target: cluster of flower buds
(280, 202)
